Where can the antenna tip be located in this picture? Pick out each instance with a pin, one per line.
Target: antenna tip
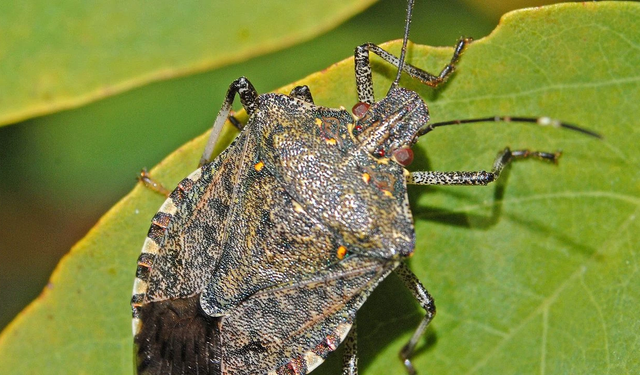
(581, 130)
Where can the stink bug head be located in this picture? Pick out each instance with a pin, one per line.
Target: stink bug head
(392, 123)
(389, 127)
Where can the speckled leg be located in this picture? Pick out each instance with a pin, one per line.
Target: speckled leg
(350, 356)
(302, 93)
(478, 177)
(426, 301)
(248, 96)
(364, 81)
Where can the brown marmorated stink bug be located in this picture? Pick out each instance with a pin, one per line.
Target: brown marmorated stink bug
(259, 260)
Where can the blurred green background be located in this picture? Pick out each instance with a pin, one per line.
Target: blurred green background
(59, 173)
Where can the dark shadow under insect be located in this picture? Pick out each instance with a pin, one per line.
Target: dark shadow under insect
(260, 259)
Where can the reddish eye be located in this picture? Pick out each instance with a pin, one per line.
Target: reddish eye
(403, 155)
(360, 109)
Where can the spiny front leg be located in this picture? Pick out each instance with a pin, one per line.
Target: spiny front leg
(364, 80)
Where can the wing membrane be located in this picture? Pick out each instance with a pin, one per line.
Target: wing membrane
(282, 324)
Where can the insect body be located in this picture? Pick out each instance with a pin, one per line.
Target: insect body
(292, 226)
(259, 260)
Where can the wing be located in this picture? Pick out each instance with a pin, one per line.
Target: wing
(171, 333)
(297, 325)
(269, 240)
(183, 245)
(231, 228)
(177, 337)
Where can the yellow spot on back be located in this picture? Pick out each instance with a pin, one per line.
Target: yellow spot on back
(366, 177)
(318, 122)
(342, 251)
(387, 193)
(331, 141)
(258, 166)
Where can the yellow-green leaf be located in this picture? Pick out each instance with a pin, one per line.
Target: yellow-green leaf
(537, 274)
(57, 55)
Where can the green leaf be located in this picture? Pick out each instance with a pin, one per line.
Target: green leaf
(536, 274)
(58, 55)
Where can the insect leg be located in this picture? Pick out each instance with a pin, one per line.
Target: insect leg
(248, 96)
(350, 356)
(302, 93)
(152, 184)
(426, 301)
(364, 81)
(235, 122)
(478, 177)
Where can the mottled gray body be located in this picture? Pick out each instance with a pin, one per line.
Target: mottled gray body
(276, 243)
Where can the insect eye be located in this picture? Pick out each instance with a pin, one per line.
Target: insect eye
(403, 155)
(360, 109)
